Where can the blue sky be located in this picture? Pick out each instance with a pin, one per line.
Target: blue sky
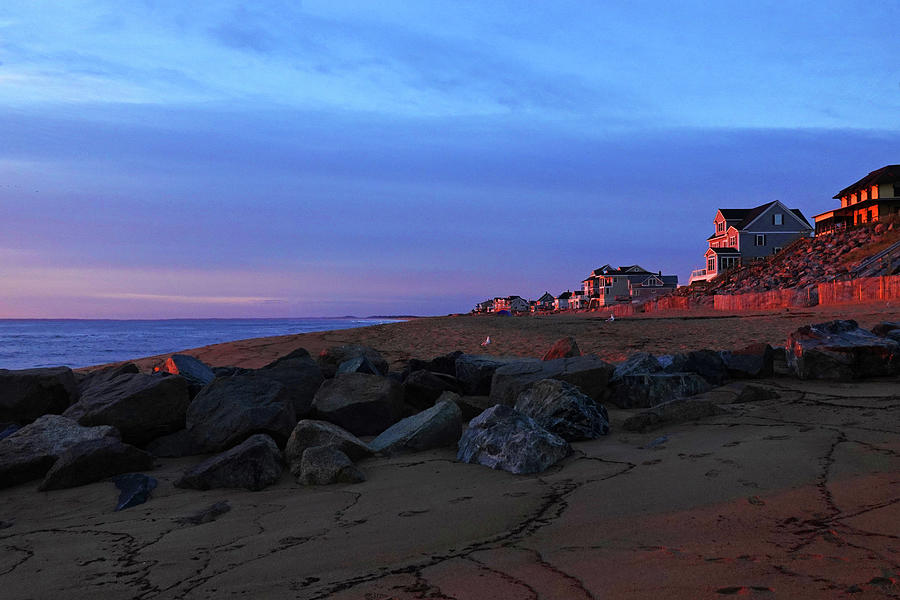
(327, 158)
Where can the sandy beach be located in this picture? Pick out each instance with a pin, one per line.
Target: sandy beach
(795, 497)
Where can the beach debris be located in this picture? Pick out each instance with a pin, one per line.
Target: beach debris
(141, 406)
(422, 388)
(229, 410)
(253, 465)
(562, 408)
(589, 373)
(310, 433)
(503, 438)
(486, 342)
(302, 377)
(93, 460)
(30, 452)
(679, 410)
(331, 358)
(840, 350)
(324, 465)
(189, 367)
(360, 403)
(563, 348)
(436, 427)
(205, 515)
(28, 394)
(135, 489)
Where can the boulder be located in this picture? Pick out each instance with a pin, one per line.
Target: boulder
(231, 371)
(7, 429)
(30, 452)
(301, 353)
(738, 392)
(93, 460)
(561, 408)
(331, 358)
(470, 406)
(503, 438)
(253, 464)
(231, 409)
(564, 348)
(324, 465)
(134, 489)
(646, 390)
(756, 360)
(360, 403)
(446, 364)
(310, 433)
(436, 427)
(174, 445)
(358, 364)
(709, 364)
(422, 388)
(27, 394)
(882, 329)
(589, 373)
(300, 375)
(639, 363)
(841, 350)
(475, 371)
(192, 369)
(101, 376)
(680, 410)
(140, 406)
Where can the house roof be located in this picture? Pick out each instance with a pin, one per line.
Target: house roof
(724, 250)
(734, 214)
(887, 174)
(565, 296)
(747, 215)
(800, 216)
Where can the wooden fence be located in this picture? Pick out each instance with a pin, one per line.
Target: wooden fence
(765, 300)
(668, 303)
(866, 289)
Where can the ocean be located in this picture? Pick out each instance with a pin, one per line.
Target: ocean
(29, 343)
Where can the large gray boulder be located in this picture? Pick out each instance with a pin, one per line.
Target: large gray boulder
(102, 376)
(93, 460)
(141, 406)
(589, 373)
(310, 433)
(174, 445)
(561, 408)
(566, 347)
(300, 375)
(446, 364)
(359, 364)
(709, 364)
(195, 371)
(331, 358)
(422, 388)
(675, 411)
(324, 465)
(841, 350)
(27, 394)
(755, 360)
(231, 409)
(30, 452)
(360, 403)
(436, 427)
(650, 389)
(503, 438)
(253, 465)
(475, 372)
(639, 363)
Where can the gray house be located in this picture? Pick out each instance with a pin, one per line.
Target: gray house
(747, 234)
(607, 285)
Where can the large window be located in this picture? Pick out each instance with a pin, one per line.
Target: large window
(760, 239)
(711, 265)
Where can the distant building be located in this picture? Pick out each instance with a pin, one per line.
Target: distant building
(562, 301)
(745, 234)
(545, 302)
(875, 197)
(607, 285)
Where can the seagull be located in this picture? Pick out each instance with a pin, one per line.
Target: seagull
(486, 341)
(612, 317)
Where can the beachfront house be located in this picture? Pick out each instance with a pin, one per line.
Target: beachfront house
(746, 234)
(484, 307)
(875, 197)
(517, 304)
(562, 301)
(545, 302)
(607, 285)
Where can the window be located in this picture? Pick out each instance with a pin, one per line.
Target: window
(732, 241)
(778, 219)
(720, 226)
(897, 190)
(760, 239)
(711, 265)
(776, 250)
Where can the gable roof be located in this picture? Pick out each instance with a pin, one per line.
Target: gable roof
(748, 215)
(734, 214)
(886, 174)
(800, 216)
(565, 296)
(722, 250)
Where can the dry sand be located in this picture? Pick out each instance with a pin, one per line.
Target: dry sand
(791, 498)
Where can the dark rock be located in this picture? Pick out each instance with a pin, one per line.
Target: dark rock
(360, 403)
(841, 350)
(639, 363)
(301, 353)
(140, 406)
(30, 452)
(436, 427)
(205, 515)
(253, 464)
(27, 394)
(885, 327)
(231, 409)
(309, 434)
(324, 465)
(503, 438)
(230, 371)
(422, 388)
(93, 460)
(331, 358)
(446, 363)
(756, 360)
(753, 393)
(706, 363)
(680, 410)
(589, 373)
(646, 390)
(7, 429)
(470, 406)
(101, 376)
(561, 408)
(564, 348)
(174, 445)
(300, 375)
(135, 489)
(192, 369)
(358, 364)
(475, 371)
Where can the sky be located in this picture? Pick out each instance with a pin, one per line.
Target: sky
(290, 159)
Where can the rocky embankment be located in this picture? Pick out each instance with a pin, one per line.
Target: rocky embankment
(320, 419)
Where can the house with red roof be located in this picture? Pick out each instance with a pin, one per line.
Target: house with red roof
(875, 197)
